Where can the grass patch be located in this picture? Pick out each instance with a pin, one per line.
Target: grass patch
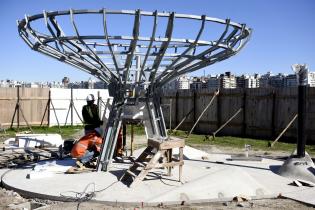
(65, 131)
(137, 130)
(237, 142)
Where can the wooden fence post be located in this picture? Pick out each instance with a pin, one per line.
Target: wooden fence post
(244, 113)
(273, 115)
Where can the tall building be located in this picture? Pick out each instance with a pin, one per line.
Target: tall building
(277, 81)
(65, 82)
(182, 83)
(214, 82)
(290, 80)
(264, 80)
(311, 79)
(228, 80)
(179, 83)
(199, 83)
(252, 81)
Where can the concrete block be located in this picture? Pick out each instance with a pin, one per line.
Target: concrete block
(298, 168)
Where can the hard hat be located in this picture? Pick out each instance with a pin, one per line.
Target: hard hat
(90, 97)
(98, 130)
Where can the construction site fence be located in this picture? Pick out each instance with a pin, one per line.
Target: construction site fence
(46, 106)
(265, 112)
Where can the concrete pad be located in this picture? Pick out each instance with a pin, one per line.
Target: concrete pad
(46, 169)
(305, 196)
(214, 179)
(299, 168)
(3, 171)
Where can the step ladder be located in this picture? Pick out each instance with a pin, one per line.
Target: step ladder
(156, 155)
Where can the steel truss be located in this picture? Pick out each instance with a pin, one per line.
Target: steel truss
(134, 66)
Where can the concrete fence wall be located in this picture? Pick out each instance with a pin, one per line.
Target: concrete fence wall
(266, 112)
(34, 101)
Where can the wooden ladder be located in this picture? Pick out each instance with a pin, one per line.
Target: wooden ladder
(156, 155)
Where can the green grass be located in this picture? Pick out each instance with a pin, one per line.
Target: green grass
(237, 142)
(65, 131)
(137, 130)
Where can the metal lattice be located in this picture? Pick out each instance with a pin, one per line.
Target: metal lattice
(135, 66)
(115, 58)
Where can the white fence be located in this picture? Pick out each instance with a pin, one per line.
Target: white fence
(61, 100)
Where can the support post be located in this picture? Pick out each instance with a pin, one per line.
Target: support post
(47, 109)
(194, 105)
(273, 114)
(131, 139)
(302, 91)
(18, 108)
(244, 113)
(176, 108)
(284, 130)
(99, 103)
(124, 134)
(170, 128)
(202, 113)
(227, 122)
(71, 106)
(219, 110)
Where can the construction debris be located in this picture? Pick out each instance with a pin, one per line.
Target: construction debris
(34, 140)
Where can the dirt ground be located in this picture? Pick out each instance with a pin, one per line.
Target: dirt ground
(11, 200)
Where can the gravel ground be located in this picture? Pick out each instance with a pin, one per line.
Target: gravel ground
(11, 200)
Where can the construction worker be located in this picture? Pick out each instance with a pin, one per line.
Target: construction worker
(90, 115)
(87, 148)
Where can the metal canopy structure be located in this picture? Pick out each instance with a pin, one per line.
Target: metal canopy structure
(136, 53)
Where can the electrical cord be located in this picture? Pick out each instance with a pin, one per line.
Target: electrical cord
(85, 195)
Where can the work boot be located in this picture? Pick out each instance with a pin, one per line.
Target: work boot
(90, 164)
(79, 164)
(120, 152)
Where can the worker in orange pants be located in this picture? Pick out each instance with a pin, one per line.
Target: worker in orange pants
(87, 147)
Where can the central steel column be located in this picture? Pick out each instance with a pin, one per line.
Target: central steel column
(301, 141)
(302, 74)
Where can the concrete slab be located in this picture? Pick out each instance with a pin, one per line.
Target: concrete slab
(3, 171)
(204, 180)
(46, 169)
(305, 196)
(299, 168)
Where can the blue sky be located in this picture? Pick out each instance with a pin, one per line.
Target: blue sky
(283, 34)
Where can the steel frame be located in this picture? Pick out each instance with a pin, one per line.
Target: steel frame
(137, 70)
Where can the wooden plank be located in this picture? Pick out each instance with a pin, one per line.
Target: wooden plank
(174, 143)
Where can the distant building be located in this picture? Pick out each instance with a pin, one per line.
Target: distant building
(91, 83)
(199, 83)
(227, 80)
(264, 80)
(290, 80)
(214, 82)
(65, 81)
(277, 81)
(240, 81)
(311, 79)
(180, 83)
(100, 85)
(252, 81)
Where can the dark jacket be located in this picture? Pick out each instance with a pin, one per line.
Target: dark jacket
(90, 116)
